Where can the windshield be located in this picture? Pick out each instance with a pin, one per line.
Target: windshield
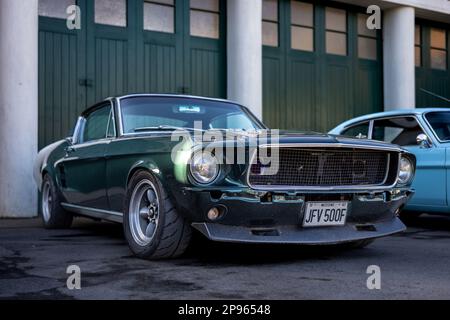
(152, 113)
(440, 123)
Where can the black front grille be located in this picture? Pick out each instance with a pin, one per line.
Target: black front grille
(320, 167)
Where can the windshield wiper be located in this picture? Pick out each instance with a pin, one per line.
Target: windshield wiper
(164, 128)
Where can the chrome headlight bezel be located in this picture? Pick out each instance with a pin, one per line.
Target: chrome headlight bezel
(406, 170)
(204, 168)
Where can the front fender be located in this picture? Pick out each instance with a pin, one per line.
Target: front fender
(148, 165)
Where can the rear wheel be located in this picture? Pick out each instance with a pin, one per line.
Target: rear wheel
(53, 214)
(152, 226)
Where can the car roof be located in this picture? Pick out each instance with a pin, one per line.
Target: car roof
(172, 95)
(390, 113)
(166, 95)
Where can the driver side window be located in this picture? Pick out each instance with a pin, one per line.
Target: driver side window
(401, 130)
(96, 124)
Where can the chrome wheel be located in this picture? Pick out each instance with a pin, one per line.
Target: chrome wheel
(46, 200)
(144, 212)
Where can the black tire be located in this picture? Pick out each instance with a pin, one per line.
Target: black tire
(54, 216)
(172, 233)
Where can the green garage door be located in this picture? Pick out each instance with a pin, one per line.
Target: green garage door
(432, 70)
(321, 65)
(126, 46)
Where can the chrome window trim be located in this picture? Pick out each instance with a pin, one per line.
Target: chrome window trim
(119, 107)
(172, 95)
(82, 121)
(398, 116)
(328, 188)
(369, 134)
(111, 120)
(77, 129)
(119, 113)
(359, 123)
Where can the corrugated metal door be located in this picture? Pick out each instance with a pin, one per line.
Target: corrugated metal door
(432, 43)
(126, 46)
(61, 66)
(321, 65)
(182, 50)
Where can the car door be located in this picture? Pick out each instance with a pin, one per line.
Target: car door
(430, 180)
(83, 170)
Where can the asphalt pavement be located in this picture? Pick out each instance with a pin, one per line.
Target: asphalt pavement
(34, 261)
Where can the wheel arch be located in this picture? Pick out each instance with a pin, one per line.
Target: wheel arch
(148, 166)
(40, 176)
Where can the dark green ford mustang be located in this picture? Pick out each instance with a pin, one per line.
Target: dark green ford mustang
(151, 163)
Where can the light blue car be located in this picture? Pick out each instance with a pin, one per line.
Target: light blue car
(424, 132)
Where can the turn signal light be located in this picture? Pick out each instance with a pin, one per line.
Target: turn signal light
(214, 213)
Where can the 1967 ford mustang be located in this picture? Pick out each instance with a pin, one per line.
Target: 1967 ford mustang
(151, 163)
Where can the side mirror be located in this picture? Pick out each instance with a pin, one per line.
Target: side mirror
(69, 139)
(422, 141)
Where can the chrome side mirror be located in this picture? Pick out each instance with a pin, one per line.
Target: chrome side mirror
(69, 140)
(422, 141)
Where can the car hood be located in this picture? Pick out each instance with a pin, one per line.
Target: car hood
(263, 137)
(323, 138)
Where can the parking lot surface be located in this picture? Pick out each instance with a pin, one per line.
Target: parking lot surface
(33, 263)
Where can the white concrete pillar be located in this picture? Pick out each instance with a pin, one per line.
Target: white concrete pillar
(398, 57)
(18, 106)
(244, 53)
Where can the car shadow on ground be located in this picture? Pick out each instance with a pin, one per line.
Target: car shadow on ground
(427, 227)
(428, 222)
(208, 252)
(205, 252)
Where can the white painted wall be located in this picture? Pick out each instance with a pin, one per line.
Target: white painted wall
(18, 106)
(244, 53)
(398, 58)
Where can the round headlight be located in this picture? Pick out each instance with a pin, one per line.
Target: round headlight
(204, 167)
(406, 171)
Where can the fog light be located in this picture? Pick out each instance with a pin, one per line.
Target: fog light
(213, 213)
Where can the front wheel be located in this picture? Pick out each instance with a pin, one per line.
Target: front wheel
(53, 214)
(152, 226)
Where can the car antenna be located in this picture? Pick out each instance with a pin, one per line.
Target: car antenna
(434, 95)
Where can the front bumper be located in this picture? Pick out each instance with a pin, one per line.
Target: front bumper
(277, 217)
(298, 235)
